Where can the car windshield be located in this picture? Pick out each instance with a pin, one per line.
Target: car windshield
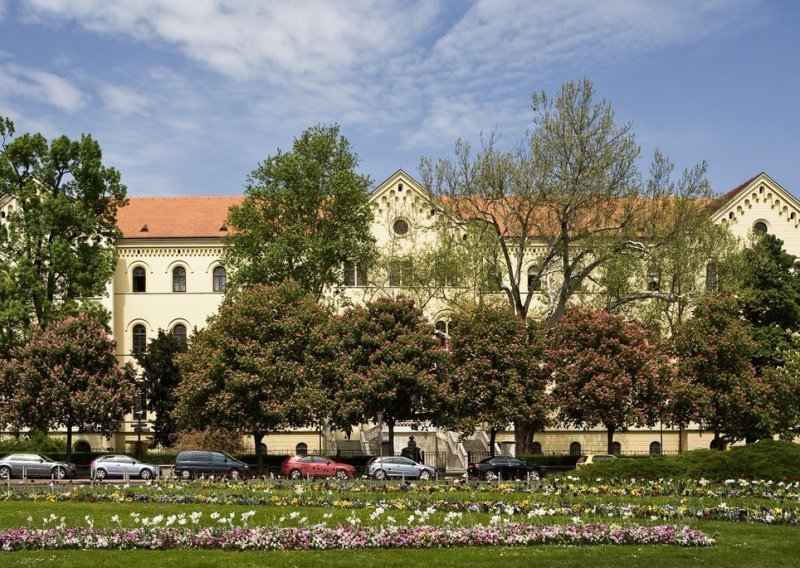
(45, 458)
(582, 459)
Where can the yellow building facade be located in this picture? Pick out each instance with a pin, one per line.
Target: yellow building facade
(169, 276)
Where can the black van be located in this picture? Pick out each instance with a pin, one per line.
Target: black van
(194, 463)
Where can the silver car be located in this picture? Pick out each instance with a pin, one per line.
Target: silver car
(397, 466)
(122, 467)
(34, 465)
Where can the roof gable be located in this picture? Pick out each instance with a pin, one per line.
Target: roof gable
(760, 193)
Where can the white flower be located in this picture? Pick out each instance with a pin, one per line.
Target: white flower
(115, 519)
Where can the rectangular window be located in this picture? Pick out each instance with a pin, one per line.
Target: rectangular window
(355, 275)
(400, 273)
(711, 277)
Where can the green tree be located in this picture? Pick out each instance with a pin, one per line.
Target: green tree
(494, 372)
(160, 377)
(769, 295)
(56, 243)
(563, 204)
(390, 362)
(252, 369)
(606, 370)
(717, 385)
(304, 215)
(67, 375)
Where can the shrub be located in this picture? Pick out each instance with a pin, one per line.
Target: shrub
(767, 459)
(209, 439)
(35, 442)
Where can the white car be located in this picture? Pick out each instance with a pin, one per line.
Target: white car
(593, 458)
(121, 467)
(398, 466)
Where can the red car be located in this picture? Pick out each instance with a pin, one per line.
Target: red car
(298, 467)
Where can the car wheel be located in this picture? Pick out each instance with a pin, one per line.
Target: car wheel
(235, 474)
(146, 474)
(534, 475)
(59, 472)
(5, 472)
(100, 474)
(379, 475)
(490, 475)
(186, 474)
(424, 475)
(295, 474)
(341, 474)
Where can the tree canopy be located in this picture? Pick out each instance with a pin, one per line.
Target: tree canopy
(160, 377)
(607, 371)
(547, 217)
(252, 368)
(494, 372)
(56, 243)
(304, 215)
(390, 363)
(67, 375)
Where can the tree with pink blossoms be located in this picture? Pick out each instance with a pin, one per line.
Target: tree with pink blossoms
(253, 368)
(606, 370)
(389, 362)
(68, 376)
(494, 374)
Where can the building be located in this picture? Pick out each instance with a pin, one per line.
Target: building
(169, 276)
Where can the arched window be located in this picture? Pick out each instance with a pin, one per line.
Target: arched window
(534, 280)
(301, 449)
(139, 279)
(139, 338)
(616, 448)
(83, 447)
(760, 228)
(179, 279)
(179, 332)
(536, 448)
(219, 279)
(575, 449)
(655, 448)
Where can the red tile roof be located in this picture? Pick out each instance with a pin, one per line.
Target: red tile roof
(165, 217)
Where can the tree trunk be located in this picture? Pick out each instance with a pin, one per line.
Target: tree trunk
(69, 442)
(492, 438)
(680, 439)
(390, 424)
(611, 430)
(523, 438)
(257, 437)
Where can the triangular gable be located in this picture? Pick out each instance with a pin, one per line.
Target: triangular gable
(401, 187)
(757, 198)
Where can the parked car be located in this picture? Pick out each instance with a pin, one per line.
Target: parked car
(121, 466)
(593, 458)
(505, 467)
(34, 465)
(194, 463)
(298, 467)
(381, 468)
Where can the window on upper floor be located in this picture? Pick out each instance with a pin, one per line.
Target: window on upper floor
(534, 279)
(179, 332)
(355, 274)
(179, 279)
(139, 338)
(219, 279)
(400, 273)
(139, 279)
(760, 228)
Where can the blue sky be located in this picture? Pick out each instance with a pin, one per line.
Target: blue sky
(188, 96)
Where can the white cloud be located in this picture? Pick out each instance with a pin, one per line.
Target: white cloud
(42, 86)
(124, 100)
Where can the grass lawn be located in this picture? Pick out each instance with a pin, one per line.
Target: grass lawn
(738, 543)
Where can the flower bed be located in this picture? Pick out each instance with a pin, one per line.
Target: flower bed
(321, 537)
